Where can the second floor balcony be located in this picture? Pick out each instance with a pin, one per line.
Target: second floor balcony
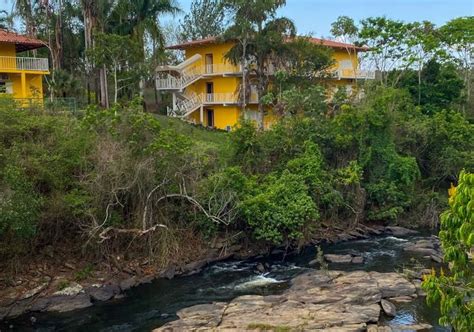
(355, 74)
(9, 63)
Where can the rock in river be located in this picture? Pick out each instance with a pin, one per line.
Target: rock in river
(388, 307)
(399, 231)
(316, 301)
(338, 258)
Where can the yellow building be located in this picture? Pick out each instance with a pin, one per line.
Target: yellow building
(21, 77)
(206, 87)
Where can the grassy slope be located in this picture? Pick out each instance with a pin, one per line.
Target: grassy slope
(203, 137)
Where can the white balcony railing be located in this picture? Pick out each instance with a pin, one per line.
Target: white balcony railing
(22, 63)
(355, 74)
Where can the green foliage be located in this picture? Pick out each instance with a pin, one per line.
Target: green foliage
(454, 290)
(438, 87)
(19, 205)
(281, 210)
(205, 19)
(84, 273)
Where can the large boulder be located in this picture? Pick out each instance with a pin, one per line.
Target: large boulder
(316, 301)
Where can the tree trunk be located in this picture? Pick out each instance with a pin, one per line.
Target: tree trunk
(104, 97)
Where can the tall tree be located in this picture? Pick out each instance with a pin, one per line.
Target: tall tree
(205, 19)
(261, 38)
(458, 37)
(345, 29)
(140, 19)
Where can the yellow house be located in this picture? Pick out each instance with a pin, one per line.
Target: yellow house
(206, 87)
(21, 77)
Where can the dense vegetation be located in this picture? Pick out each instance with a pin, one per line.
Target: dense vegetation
(454, 290)
(114, 176)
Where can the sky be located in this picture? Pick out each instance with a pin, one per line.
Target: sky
(315, 16)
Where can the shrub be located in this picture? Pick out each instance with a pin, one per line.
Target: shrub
(281, 209)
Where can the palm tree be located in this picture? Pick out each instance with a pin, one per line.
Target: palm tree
(140, 19)
(6, 20)
(25, 10)
(262, 37)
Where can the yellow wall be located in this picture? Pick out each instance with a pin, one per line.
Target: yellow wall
(34, 85)
(217, 50)
(7, 49)
(224, 116)
(33, 80)
(229, 115)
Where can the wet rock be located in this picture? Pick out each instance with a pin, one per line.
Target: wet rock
(436, 258)
(413, 327)
(170, 272)
(338, 258)
(357, 260)
(313, 262)
(388, 307)
(128, 283)
(102, 293)
(262, 268)
(399, 231)
(194, 267)
(64, 303)
(401, 299)
(316, 301)
(428, 247)
(278, 252)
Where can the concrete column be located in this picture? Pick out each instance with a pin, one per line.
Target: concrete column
(23, 86)
(201, 115)
(174, 102)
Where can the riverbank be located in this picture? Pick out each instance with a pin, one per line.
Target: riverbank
(46, 296)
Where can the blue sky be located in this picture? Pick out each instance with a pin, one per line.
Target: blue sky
(316, 16)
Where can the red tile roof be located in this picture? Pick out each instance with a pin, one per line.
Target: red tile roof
(22, 43)
(215, 40)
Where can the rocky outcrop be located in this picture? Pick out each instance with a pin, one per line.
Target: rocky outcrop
(316, 301)
(429, 248)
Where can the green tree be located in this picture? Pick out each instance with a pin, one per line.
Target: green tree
(261, 38)
(280, 210)
(437, 86)
(458, 36)
(121, 56)
(206, 19)
(386, 39)
(455, 290)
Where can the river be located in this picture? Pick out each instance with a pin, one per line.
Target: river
(152, 305)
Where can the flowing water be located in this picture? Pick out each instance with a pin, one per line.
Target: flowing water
(152, 305)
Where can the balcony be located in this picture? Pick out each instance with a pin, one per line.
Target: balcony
(23, 64)
(221, 69)
(355, 74)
